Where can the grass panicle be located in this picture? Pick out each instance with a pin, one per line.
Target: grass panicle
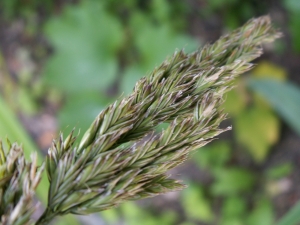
(123, 156)
(18, 182)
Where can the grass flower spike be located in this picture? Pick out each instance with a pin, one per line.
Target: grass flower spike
(122, 157)
(18, 182)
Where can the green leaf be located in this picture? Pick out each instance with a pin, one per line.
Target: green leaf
(292, 5)
(236, 100)
(25, 101)
(292, 217)
(213, 155)
(230, 181)
(135, 215)
(168, 218)
(80, 111)
(216, 4)
(86, 41)
(155, 43)
(233, 211)
(187, 223)
(284, 98)
(279, 171)
(295, 31)
(232, 221)
(161, 10)
(234, 206)
(131, 75)
(110, 216)
(130, 210)
(262, 214)
(257, 129)
(195, 204)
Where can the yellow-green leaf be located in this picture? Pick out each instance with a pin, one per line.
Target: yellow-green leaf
(236, 99)
(266, 69)
(257, 129)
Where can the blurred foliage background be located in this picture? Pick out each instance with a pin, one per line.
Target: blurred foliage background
(63, 61)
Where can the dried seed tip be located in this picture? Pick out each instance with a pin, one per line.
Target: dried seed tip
(36, 180)
(33, 167)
